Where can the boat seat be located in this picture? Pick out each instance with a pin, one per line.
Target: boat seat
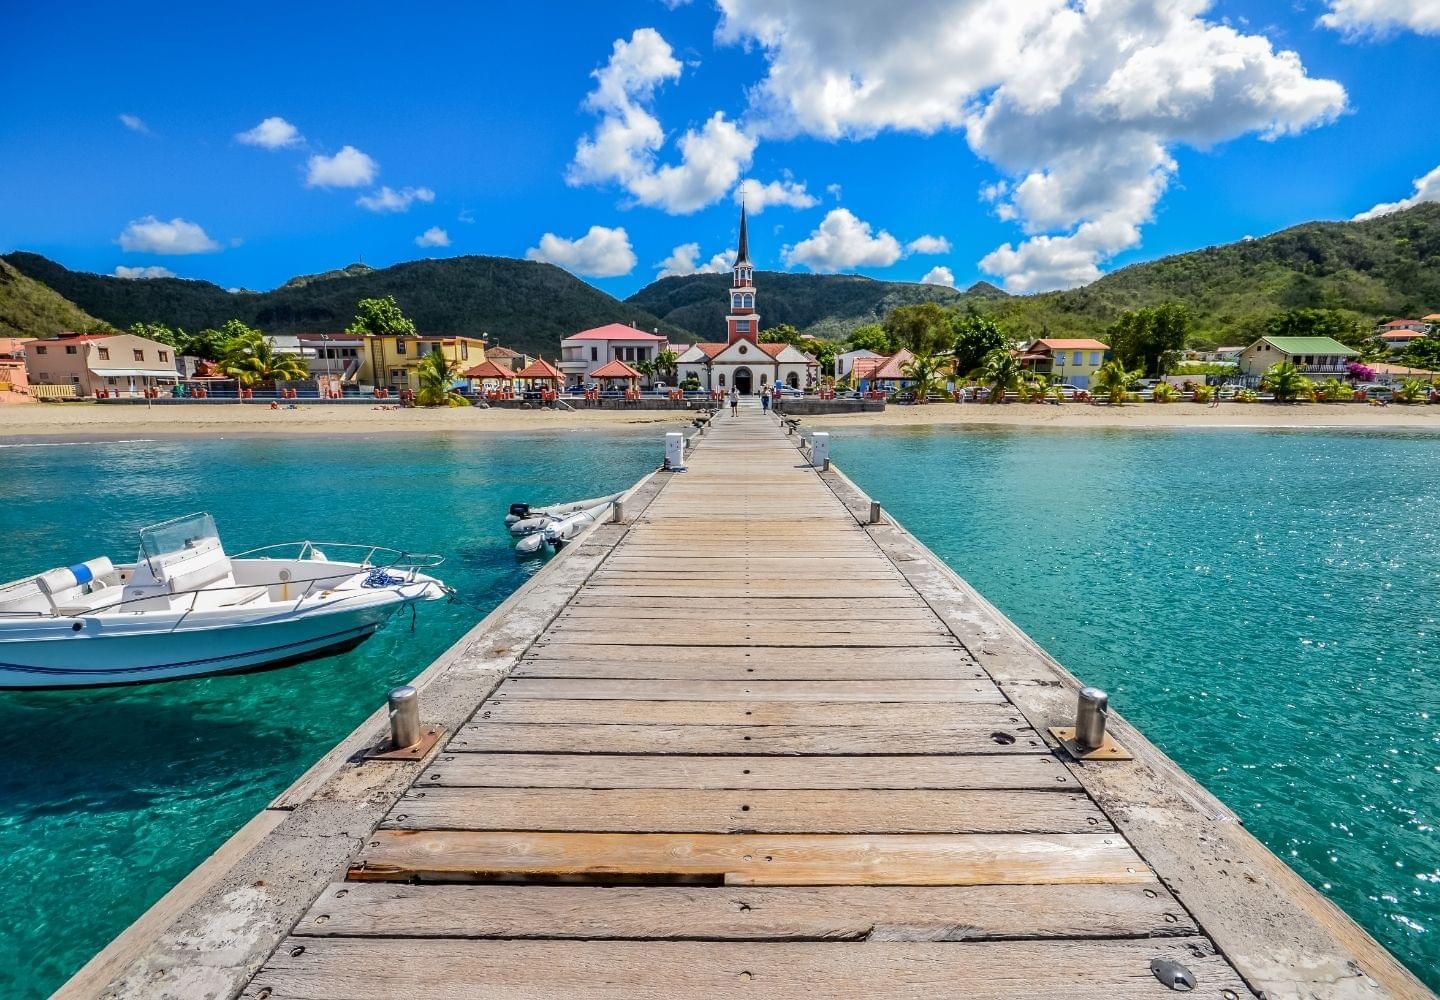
(96, 600)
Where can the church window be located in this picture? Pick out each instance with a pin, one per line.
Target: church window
(742, 326)
(722, 380)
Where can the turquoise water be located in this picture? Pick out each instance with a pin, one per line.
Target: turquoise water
(108, 798)
(1265, 605)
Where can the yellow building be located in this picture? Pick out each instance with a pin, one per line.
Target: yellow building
(1070, 362)
(389, 362)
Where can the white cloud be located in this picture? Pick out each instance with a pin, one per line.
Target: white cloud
(843, 242)
(1381, 17)
(600, 253)
(387, 199)
(272, 133)
(347, 168)
(1078, 104)
(623, 146)
(833, 190)
(757, 197)
(141, 273)
(928, 244)
(433, 237)
(1427, 188)
(684, 260)
(151, 235)
(135, 124)
(939, 275)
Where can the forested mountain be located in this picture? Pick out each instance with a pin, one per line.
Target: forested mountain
(519, 303)
(1370, 270)
(822, 305)
(28, 308)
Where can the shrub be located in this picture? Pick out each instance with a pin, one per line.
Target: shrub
(1165, 393)
(1204, 393)
(1246, 396)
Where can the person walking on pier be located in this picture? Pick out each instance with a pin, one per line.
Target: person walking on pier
(734, 402)
(765, 400)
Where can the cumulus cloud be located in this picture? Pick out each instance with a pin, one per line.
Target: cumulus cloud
(928, 244)
(757, 197)
(1381, 17)
(151, 235)
(1079, 105)
(624, 146)
(939, 275)
(347, 168)
(141, 273)
(842, 242)
(433, 237)
(135, 124)
(272, 133)
(387, 199)
(600, 253)
(685, 259)
(1427, 188)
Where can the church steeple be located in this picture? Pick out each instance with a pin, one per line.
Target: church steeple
(743, 322)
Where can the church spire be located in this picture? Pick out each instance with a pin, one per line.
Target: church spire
(743, 255)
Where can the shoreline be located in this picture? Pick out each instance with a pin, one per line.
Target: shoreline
(52, 423)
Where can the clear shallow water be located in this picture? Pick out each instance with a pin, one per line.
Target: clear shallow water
(1265, 605)
(108, 798)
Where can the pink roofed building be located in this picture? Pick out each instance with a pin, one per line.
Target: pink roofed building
(583, 354)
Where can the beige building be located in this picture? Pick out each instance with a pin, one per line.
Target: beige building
(120, 363)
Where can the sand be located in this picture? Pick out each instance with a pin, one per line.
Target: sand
(81, 420)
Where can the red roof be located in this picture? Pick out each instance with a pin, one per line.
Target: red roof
(541, 369)
(1403, 322)
(615, 369)
(613, 331)
(489, 369)
(774, 350)
(1402, 335)
(1071, 345)
(865, 367)
(893, 368)
(712, 350)
(500, 352)
(76, 338)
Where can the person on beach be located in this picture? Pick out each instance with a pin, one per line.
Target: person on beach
(765, 400)
(734, 402)
(1215, 399)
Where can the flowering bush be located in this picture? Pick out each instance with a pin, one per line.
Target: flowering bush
(1359, 372)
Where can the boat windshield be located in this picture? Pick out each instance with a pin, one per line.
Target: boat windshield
(179, 535)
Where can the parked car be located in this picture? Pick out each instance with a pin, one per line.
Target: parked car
(789, 392)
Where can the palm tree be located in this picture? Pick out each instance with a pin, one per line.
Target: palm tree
(437, 382)
(1112, 380)
(1410, 390)
(252, 358)
(1284, 382)
(1332, 390)
(999, 372)
(926, 373)
(666, 363)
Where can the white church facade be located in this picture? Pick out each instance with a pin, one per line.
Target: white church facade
(742, 362)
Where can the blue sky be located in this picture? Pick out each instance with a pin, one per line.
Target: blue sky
(909, 139)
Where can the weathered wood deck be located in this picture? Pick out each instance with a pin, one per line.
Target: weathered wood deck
(766, 750)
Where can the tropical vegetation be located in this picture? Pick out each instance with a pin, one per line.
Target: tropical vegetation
(1284, 382)
(1113, 380)
(437, 376)
(999, 372)
(250, 358)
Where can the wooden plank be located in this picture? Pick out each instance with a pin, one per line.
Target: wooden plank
(698, 635)
(753, 655)
(767, 605)
(1035, 771)
(923, 715)
(752, 859)
(689, 611)
(629, 690)
(786, 740)
(672, 810)
(741, 669)
(857, 913)
(449, 969)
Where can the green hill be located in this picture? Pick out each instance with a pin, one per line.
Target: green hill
(822, 305)
(29, 308)
(521, 304)
(1378, 269)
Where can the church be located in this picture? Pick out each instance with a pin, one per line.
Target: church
(742, 362)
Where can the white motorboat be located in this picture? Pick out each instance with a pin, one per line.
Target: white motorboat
(561, 530)
(186, 609)
(524, 519)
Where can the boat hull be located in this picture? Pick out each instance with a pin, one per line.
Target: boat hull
(107, 651)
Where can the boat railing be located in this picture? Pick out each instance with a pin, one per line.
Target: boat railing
(390, 558)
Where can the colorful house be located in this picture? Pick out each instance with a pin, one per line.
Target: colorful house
(14, 382)
(116, 363)
(1312, 355)
(1069, 361)
(584, 353)
(388, 361)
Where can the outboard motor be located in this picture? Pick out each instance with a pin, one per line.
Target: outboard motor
(520, 511)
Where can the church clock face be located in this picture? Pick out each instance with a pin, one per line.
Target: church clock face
(743, 349)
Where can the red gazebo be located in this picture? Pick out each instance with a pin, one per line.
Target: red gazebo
(616, 371)
(540, 371)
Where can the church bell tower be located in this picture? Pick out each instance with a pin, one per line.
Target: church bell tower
(743, 322)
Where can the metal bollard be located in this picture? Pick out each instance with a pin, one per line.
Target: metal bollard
(1091, 713)
(617, 512)
(404, 717)
(874, 511)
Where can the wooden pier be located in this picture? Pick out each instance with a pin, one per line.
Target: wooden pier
(750, 745)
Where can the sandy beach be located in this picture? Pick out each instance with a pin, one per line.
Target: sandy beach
(88, 419)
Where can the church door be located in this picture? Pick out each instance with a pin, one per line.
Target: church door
(743, 381)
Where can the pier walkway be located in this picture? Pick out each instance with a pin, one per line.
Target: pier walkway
(766, 749)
